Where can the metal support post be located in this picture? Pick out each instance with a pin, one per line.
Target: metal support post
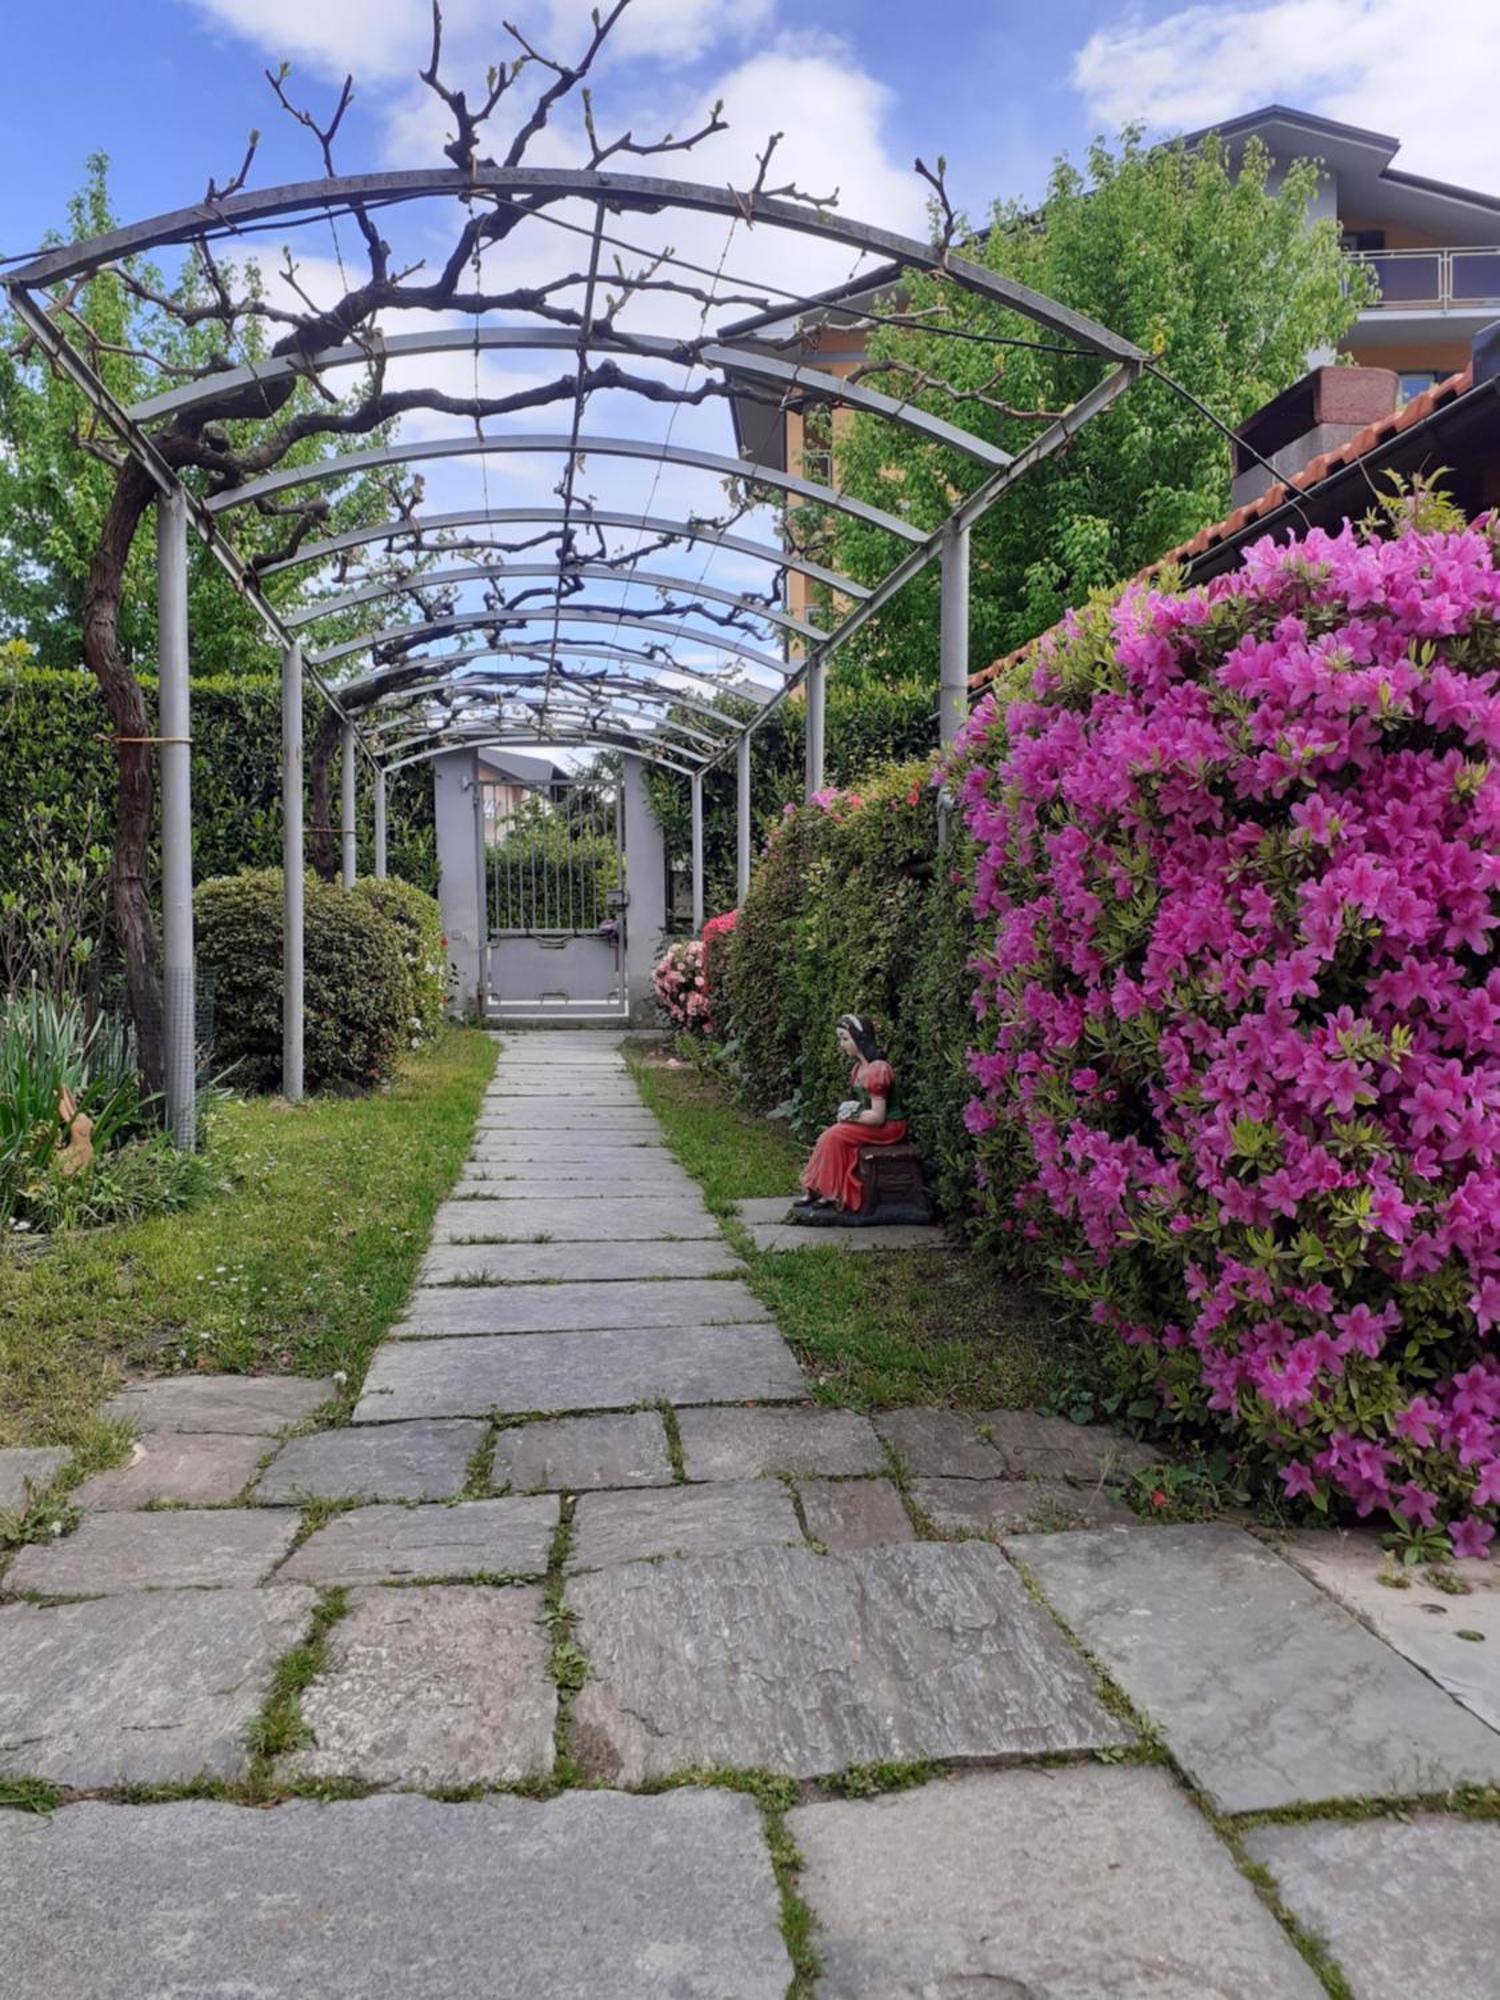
(349, 781)
(380, 867)
(482, 903)
(742, 818)
(953, 642)
(816, 676)
(293, 886)
(695, 786)
(175, 725)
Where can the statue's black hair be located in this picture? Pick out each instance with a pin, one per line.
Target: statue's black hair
(862, 1033)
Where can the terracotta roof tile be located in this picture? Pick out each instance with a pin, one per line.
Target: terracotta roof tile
(1312, 474)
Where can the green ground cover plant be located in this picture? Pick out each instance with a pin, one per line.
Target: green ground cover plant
(296, 1263)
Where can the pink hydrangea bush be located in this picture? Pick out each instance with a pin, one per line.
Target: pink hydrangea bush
(1238, 1062)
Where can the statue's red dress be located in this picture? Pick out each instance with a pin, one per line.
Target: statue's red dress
(833, 1170)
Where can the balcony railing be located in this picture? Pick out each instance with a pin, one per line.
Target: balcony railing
(1435, 279)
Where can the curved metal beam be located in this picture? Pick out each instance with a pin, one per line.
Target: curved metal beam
(537, 185)
(751, 692)
(593, 714)
(596, 572)
(473, 621)
(530, 736)
(493, 686)
(785, 376)
(581, 517)
(556, 443)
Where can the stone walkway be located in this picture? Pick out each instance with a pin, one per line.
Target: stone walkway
(586, 1544)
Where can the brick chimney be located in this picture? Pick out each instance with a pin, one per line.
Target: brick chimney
(1322, 411)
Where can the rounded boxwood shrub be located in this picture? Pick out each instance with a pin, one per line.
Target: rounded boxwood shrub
(1240, 1003)
(357, 993)
(424, 950)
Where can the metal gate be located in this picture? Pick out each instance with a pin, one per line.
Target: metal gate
(554, 872)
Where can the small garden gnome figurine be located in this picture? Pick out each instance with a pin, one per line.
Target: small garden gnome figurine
(871, 1118)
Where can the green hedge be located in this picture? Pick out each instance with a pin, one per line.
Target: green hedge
(867, 726)
(358, 1003)
(55, 754)
(855, 908)
(418, 921)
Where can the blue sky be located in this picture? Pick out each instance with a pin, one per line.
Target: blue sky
(169, 88)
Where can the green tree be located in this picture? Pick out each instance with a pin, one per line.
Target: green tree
(1223, 277)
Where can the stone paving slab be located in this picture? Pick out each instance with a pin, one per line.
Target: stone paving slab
(1267, 1692)
(682, 1521)
(883, 1236)
(544, 1263)
(135, 1691)
(1407, 1907)
(1015, 1506)
(404, 1544)
(939, 1444)
(591, 1896)
(197, 1548)
(788, 1661)
(1032, 1446)
(1421, 1622)
(202, 1469)
(421, 1461)
(440, 1685)
(441, 1312)
(577, 1454)
(847, 1514)
(250, 1405)
(543, 1373)
(613, 1220)
(1069, 1884)
(534, 1149)
(541, 1114)
(584, 1184)
(744, 1444)
(25, 1470)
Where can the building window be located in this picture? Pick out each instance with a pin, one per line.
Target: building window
(1363, 240)
(1412, 381)
(818, 466)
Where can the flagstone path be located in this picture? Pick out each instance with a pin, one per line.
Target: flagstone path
(588, 1538)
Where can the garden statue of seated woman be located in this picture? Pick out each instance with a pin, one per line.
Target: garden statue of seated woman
(836, 1194)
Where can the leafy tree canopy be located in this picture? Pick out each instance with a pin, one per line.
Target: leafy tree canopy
(1224, 277)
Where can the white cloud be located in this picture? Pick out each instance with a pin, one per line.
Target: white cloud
(373, 38)
(1363, 62)
(663, 30)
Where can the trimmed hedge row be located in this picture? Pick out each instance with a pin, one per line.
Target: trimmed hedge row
(55, 753)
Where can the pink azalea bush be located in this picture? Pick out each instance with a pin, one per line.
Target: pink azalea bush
(1238, 1062)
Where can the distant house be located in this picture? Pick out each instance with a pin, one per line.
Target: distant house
(507, 780)
(1434, 249)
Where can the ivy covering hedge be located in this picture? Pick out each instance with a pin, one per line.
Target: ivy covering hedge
(867, 725)
(854, 909)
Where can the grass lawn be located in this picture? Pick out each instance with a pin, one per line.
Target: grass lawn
(297, 1265)
(911, 1327)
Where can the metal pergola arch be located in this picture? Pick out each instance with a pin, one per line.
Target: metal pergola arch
(589, 711)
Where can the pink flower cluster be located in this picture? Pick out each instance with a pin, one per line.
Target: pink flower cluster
(681, 976)
(1241, 854)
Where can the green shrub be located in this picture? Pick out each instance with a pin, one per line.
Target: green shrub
(424, 949)
(356, 977)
